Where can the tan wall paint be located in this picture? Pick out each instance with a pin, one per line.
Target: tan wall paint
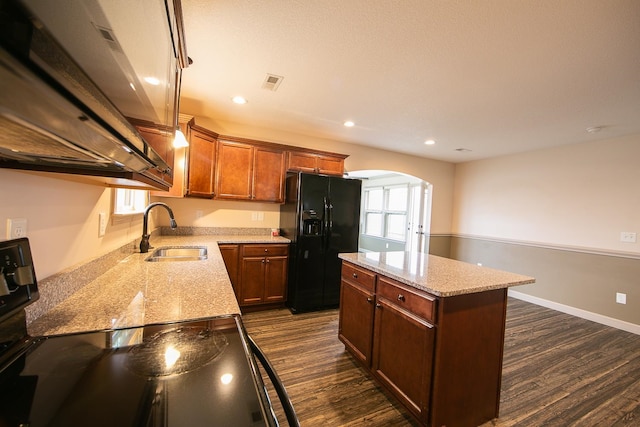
(62, 219)
(580, 195)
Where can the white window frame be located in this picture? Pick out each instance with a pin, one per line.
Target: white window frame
(127, 201)
(386, 211)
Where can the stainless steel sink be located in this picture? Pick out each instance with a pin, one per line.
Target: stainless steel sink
(178, 253)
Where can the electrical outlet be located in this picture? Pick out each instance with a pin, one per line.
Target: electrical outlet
(16, 228)
(628, 237)
(102, 224)
(621, 298)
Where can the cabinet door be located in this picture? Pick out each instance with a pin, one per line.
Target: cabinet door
(230, 255)
(202, 151)
(268, 175)
(330, 165)
(234, 170)
(303, 162)
(356, 320)
(403, 355)
(275, 279)
(252, 280)
(161, 142)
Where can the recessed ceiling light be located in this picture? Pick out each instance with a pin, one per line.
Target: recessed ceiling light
(349, 124)
(239, 100)
(429, 142)
(152, 81)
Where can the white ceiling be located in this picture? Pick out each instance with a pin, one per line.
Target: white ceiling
(491, 76)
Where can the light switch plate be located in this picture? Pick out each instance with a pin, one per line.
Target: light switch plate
(102, 224)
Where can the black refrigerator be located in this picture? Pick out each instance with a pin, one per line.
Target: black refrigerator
(321, 217)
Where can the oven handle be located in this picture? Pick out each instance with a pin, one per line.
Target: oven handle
(290, 413)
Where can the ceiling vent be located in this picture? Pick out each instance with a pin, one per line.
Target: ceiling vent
(462, 150)
(271, 82)
(108, 36)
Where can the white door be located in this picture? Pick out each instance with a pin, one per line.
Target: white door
(420, 218)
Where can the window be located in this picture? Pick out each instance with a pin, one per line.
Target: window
(127, 201)
(385, 211)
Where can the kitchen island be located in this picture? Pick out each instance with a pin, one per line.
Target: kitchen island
(429, 329)
(136, 292)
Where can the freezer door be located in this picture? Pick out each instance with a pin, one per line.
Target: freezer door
(306, 284)
(343, 230)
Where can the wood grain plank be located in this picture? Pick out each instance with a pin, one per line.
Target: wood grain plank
(558, 370)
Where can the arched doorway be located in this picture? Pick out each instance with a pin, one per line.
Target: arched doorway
(395, 212)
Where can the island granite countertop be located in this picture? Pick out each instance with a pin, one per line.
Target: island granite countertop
(439, 276)
(136, 292)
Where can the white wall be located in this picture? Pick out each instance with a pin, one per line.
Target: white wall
(62, 218)
(580, 195)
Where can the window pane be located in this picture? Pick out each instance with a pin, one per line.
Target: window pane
(374, 199)
(129, 201)
(373, 224)
(396, 226)
(397, 199)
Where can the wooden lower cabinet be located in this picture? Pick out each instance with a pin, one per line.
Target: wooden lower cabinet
(258, 272)
(441, 357)
(230, 255)
(356, 320)
(402, 355)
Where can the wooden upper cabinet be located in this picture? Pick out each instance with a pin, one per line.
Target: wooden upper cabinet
(328, 164)
(268, 174)
(201, 161)
(247, 171)
(178, 187)
(234, 170)
(162, 143)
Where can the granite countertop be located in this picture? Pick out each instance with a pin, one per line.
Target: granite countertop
(439, 276)
(136, 292)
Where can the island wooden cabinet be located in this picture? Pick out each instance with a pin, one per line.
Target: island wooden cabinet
(440, 356)
(201, 163)
(356, 315)
(315, 163)
(403, 346)
(246, 171)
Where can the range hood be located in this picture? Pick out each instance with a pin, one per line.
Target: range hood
(69, 95)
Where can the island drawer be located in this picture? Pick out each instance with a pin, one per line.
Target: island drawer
(252, 250)
(410, 299)
(357, 275)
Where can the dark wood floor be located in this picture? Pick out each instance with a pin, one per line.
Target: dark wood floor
(558, 370)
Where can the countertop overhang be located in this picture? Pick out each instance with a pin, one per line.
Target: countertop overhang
(439, 276)
(136, 292)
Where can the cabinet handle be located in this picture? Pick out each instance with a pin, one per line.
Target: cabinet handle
(355, 275)
(263, 260)
(369, 300)
(267, 261)
(400, 297)
(378, 305)
(266, 250)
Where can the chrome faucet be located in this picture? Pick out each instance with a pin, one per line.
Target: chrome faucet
(144, 243)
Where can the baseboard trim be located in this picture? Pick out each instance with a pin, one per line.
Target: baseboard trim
(584, 314)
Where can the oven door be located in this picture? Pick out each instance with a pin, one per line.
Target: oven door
(189, 373)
